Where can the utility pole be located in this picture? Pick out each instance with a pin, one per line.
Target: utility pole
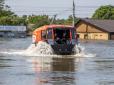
(73, 23)
(53, 19)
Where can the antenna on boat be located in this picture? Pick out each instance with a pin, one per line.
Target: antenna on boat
(54, 16)
(73, 22)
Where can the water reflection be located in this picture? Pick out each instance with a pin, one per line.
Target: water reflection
(63, 64)
(55, 71)
(3, 62)
(105, 69)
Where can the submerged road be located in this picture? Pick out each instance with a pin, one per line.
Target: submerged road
(95, 66)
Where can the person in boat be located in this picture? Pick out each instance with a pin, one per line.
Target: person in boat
(61, 39)
(64, 38)
(57, 39)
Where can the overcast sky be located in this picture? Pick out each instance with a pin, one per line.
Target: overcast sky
(84, 8)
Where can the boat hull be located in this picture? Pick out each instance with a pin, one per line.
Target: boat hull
(63, 49)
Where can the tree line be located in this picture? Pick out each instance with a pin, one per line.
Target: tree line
(7, 17)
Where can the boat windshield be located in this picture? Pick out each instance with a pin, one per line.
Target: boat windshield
(61, 35)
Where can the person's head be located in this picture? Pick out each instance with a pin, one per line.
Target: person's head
(55, 34)
(64, 34)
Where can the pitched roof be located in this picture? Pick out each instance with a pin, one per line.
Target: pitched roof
(107, 25)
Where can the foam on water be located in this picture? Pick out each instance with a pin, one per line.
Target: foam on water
(80, 52)
(12, 52)
(44, 49)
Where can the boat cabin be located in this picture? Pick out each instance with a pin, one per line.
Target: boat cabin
(58, 36)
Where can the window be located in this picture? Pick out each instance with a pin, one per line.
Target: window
(61, 35)
(85, 36)
(77, 35)
(49, 33)
(44, 34)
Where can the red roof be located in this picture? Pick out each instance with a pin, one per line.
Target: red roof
(53, 26)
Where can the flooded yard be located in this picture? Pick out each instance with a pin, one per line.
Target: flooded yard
(95, 66)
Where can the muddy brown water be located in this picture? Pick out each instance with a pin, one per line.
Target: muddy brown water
(93, 67)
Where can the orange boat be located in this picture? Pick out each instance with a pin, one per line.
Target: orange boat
(62, 38)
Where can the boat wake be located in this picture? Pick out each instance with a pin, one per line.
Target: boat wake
(43, 49)
(81, 52)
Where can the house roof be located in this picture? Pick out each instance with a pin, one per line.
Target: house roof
(106, 25)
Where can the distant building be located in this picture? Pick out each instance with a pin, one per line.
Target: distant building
(95, 29)
(12, 31)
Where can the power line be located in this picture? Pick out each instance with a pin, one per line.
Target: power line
(54, 7)
(81, 10)
(61, 11)
(54, 12)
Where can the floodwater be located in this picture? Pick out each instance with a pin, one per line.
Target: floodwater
(94, 66)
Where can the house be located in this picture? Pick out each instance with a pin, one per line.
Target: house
(12, 31)
(95, 29)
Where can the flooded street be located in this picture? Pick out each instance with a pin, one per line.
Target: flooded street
(95, 66)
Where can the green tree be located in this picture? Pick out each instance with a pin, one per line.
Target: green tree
(38, 21)
(69, 21)
(8, 17)
(12, 20)
(1, 4)
(35, 19)
(104, 12)
(5, 9)
(59, 21)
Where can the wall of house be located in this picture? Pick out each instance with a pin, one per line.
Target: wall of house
(87, 31)
(83, 27)
(96, 36)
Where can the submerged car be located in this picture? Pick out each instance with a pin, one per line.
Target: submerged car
(62, 38)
